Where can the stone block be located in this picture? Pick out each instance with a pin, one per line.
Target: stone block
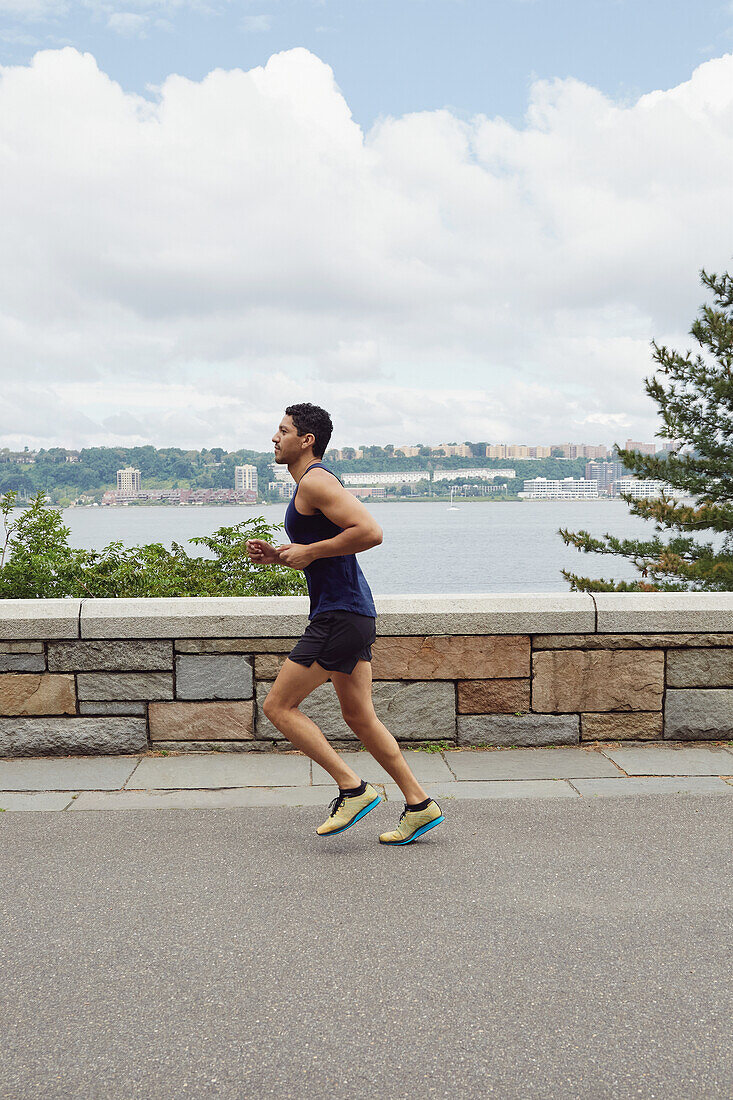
(698, 714)
(643, 612)
(268, 665)
(36, 800)
(217, 799)
(138, 709)
(225, 721)
(492, 696)
(124, 686)
(628, 726)
(524, 729)
(626, 787)
(235, 645)
(242, 769)
(21, 647)
(139, 656)
(449, 657)
(28, 619)
(213, 676)
(195, 617)
(567, 680)
(700, 668)
(22, 662)
(485, 613)
(672, 759)
(215, 746)
(411, 712)
(65, 736)
(71, 773)
(27, 693)
(486, 788)
(510, 764)
(628, 641)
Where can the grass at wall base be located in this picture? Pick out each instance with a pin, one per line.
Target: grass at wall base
(36, 562)
(694, 393)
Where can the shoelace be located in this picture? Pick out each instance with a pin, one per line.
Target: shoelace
(334, 805)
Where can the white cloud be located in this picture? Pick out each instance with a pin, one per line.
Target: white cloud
(185, 267)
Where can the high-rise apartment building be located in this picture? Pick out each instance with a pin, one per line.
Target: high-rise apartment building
(128, 479)
(644, 448)
(245, 477)
(461, 449)
(605, 473)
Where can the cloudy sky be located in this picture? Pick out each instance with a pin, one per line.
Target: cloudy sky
(440, 219)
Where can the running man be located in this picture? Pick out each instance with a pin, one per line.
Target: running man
(328, 527)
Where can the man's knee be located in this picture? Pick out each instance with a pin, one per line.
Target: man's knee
(271, 707)
(358, 717)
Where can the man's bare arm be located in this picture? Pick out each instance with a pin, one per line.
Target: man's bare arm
(361, 530)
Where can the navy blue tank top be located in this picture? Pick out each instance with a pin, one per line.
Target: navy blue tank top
(334, 584)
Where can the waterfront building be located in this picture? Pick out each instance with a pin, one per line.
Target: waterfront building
(180, 496)
(245, 477)
(567, 488)
(403, 477)
(641, 488)
(475, 471)
(128, 480)
(283, 490)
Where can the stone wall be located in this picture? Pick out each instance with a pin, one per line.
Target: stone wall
(123, 676)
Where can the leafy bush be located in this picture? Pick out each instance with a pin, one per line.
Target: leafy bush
(37, 562)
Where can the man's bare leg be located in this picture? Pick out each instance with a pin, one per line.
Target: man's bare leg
(355, 696)
(293, 684)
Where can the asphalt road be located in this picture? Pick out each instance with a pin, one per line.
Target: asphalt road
(525, 949)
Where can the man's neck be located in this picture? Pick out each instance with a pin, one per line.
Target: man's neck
(297, 469)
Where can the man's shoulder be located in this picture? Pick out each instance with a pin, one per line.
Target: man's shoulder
(319, 476)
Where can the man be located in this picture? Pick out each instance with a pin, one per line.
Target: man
(327, 527)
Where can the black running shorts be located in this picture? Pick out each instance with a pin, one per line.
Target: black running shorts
(337, 640)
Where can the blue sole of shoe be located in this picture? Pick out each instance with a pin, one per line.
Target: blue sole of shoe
(415, 835)
(359, 816)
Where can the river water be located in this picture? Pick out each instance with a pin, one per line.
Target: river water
(479, 547)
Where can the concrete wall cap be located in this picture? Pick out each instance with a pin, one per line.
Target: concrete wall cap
(651, 612)
(286, 616)
(20, 619)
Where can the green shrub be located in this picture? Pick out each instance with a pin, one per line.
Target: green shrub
(37, 562)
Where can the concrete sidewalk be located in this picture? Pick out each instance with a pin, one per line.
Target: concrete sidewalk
(200, 780)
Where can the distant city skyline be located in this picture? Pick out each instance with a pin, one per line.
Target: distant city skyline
(421, 216)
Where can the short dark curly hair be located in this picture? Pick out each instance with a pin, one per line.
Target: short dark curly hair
(312, 418)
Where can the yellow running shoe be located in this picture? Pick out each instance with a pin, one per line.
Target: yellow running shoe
(413, 823)
(347, 809)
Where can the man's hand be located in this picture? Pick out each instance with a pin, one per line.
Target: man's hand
(295, 554)
(262, 553)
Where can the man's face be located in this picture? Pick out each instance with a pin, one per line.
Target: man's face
(288, 444)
